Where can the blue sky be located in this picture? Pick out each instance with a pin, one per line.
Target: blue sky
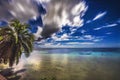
(67, 23)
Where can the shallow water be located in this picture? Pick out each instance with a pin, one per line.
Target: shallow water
(67, 64)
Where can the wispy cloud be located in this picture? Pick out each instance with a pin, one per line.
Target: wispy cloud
(87, 43)
(61, 38)
(58, 13)
(89, 21)
(118, 21)
(111, 25)
(43, 1)
(91, 38)
(100, 15)
(79, 43)
(106, 26)
(70, 41)
(83, 31)
(20, 9)
(87, 38)
(66, 45)
(61, 13)
(109, 33)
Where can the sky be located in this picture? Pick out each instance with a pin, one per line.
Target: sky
(67, 23)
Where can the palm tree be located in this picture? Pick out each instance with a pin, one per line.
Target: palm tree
(15, 39)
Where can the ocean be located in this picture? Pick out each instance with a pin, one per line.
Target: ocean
(71, 64)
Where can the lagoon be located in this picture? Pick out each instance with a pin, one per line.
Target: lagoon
(70, 64)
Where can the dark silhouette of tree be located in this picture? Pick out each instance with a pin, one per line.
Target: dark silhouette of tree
(9, 74)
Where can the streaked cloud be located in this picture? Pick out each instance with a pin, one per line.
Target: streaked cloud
(111, 25)
(43, 1)
(58, 13)
(106, 26)
(61, 13)
(100, 15)
(109, 33)
(98, 39)
(89, 21)
(118, 21)
(20, 9)
(66, 45)
(87, 43)
(98, 28)
(79, 43)
(79, 11)
(74, 39)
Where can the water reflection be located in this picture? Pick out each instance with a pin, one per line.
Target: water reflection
(70, 66)
(37, 58)
(62, 59)
(34, 60)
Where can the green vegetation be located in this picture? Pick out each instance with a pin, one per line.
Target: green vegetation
(15, 39)
(1, 38)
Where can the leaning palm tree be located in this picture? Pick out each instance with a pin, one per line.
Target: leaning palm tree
(15, 39)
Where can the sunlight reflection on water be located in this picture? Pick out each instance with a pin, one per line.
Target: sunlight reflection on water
(36, 58)
(70, 64)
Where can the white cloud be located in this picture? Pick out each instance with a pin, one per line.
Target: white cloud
(43, 1)
(38, 33)
(61, 38)
(64, 12)
(79, 8)
(66, 45)
(59, 13)
(89, 21)
(88, 37)
(99, 15)
(97, 39)
(77, 21)
(48, 44)
(109, 33)
(64, 19)
(98, 28)
(20, 9)
(106, 26)
(73, 30)
(87, 43)
(72, 43)
(111, 25)
(118, 21)
(79, 43)
(64, 36)
(83, 31)
(78, 11)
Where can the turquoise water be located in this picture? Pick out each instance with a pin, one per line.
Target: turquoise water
(70, 64)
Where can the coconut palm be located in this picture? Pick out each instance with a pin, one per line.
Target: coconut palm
(15, 39)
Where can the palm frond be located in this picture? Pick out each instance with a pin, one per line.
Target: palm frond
(14, 40)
